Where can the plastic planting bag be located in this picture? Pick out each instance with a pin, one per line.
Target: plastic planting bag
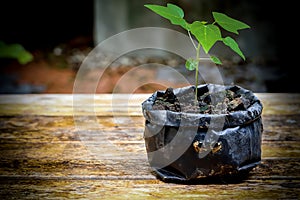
(184, 146)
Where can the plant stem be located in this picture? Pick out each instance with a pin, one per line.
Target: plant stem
(197, 71)
(192, 40)
(197, 68)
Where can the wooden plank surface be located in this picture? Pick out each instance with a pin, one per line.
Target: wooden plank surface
(54, 148)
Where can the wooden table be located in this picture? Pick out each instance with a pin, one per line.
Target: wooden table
(52, 150)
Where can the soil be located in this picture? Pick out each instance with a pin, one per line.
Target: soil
(222, 102)
(43, 75)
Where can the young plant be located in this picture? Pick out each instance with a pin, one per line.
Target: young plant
(207, 34)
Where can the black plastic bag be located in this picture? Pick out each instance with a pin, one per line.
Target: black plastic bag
(188, 146)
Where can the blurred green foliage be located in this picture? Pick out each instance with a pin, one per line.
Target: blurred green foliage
(15, 51)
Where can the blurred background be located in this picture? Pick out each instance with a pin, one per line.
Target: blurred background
(43, 43)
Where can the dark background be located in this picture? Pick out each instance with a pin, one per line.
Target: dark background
(44, 24)
(41, 25)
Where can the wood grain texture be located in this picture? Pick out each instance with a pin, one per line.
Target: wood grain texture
(51, 150)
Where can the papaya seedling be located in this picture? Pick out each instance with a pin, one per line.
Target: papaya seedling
(206, 34)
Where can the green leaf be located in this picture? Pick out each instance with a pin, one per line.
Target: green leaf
(191, 64)
(24, 57)
(15, 51)
(228, 23)
(228, 41)
(171, 12)
(176, 10)
(207, 35)
(215, 60)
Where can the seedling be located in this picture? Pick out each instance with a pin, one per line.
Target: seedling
(206, 34)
